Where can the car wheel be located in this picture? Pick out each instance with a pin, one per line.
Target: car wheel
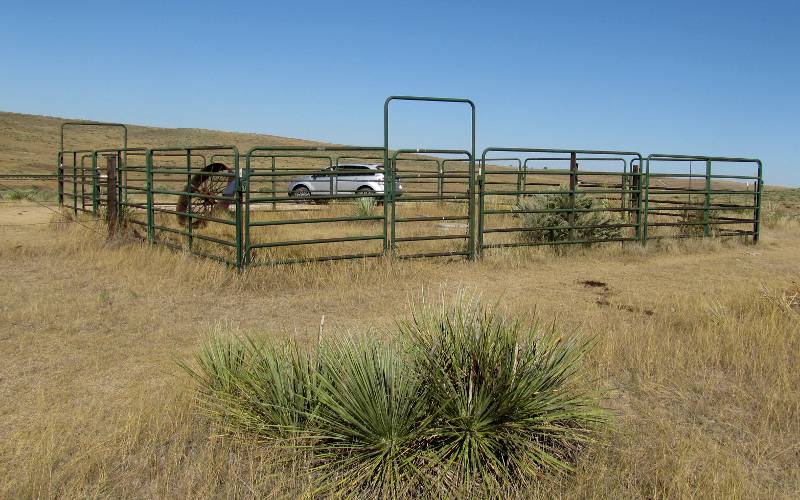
(301, 192)
(364, 191)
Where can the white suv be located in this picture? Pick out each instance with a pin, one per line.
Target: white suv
(346, 179)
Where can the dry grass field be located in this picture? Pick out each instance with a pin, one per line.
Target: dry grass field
(698, 343)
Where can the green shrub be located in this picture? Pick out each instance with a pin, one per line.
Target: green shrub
(465, 399)
(31, 194)
(602, 225)
(365, 206)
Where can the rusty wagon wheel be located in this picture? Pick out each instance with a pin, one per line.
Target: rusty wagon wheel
(204, 183)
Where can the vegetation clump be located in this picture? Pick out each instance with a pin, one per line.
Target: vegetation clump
(365, 206)
(466, 399)
(33, 194)
(547, 218)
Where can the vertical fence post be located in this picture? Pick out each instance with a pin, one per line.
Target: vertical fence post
(122, 182)
(573, 184)
(644, 191)
(524, 177)
(387, 181)
(392, 208)
(238, 214)
(75, 184)
(757, 203)
(60, 173)
(440, 179)
(635, 195)
(149, 186)
(274, 193)
(111, 195)
(95, 186)
(707, 201)
(83, 182)
(481, 207)
(190, 226)
(246, 223)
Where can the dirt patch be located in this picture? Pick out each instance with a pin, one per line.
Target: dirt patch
(594, 284)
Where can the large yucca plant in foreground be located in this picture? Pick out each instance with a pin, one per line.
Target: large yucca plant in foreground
(465, 398)
(502, 394)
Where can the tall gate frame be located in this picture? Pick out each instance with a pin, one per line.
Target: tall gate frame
(391, 174)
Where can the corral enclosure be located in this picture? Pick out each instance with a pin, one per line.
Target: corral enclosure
(237, 207)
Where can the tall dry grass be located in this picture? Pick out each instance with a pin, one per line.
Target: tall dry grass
(698, 344)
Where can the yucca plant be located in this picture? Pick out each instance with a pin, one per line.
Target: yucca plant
(504, 397)
(251, 388)
(466, 398)
(369, 425)
(548, 218)
(365, 206)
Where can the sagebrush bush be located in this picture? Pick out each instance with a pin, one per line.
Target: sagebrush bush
(546, 218)
(464, 399)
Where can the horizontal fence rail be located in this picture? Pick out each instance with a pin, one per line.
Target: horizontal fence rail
(198, 199)
(559, 206)
(298, 204)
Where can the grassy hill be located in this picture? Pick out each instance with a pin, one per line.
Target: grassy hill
(28, 143)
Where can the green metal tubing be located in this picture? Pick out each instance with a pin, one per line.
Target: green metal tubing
(189, 151)
(708, 191)
(318, 259)
(248, 246)
(122, 155)
(318, 241)
(581, 159)
(64, 125)
(149, 184)
(757, 202)
(573, 157)
(390, 194)
(553, 243)
(95, 187)
(393, 213)
(314, 221)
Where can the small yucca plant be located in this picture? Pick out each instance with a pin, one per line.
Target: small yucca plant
(365, 206)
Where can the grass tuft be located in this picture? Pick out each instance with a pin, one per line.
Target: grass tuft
(364, 206)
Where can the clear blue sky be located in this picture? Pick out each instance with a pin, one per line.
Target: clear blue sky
(718, 78)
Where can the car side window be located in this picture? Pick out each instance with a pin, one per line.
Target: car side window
(353, 170)
(324, 172)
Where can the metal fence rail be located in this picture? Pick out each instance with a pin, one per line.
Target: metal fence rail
(675, 208)
(563, 208)
(296, 204)
(318, 219)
